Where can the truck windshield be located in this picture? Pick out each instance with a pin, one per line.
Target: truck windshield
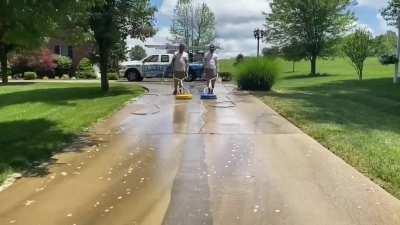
(153, 58)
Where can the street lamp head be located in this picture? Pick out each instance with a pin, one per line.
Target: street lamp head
(259, 33)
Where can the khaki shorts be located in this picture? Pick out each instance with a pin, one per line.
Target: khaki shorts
(178, 75)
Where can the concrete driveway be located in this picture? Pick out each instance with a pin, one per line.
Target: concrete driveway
(226, 162)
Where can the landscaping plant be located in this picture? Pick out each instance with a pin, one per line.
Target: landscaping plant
(86, 70)
(112, 76)
(226, 76)
(356, 46)
(64, 65)
(30, 76)
(257, 74)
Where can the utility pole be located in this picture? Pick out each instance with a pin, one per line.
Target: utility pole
(259, 34)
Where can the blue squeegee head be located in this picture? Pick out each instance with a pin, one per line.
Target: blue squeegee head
(208, 96)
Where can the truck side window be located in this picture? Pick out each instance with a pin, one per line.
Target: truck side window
(165, 58)
(153, 58)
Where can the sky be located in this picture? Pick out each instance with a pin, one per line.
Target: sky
(236, 20)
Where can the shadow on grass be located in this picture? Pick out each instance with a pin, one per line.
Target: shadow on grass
(368, 104)
(17, 83)
(58, 96)
(307, 76)
(25, 143)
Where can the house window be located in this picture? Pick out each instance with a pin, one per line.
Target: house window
(70, 52)
(57, 50)
(64, 51)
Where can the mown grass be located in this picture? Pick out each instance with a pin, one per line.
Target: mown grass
(40, 119)
(357, 120)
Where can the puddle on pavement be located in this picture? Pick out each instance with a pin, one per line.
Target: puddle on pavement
(144, 109)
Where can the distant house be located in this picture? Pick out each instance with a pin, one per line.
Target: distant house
(76, 53)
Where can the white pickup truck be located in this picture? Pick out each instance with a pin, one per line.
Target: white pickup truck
(152, 66)
(157, 65)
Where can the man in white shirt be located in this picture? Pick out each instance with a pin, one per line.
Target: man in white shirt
(211, 67)
(180, 66)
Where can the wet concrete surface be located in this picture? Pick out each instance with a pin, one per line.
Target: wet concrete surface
(226, 162)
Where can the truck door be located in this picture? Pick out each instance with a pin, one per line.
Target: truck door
(164, 66)
(151, 66)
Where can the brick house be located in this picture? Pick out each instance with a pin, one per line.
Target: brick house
(76, 53)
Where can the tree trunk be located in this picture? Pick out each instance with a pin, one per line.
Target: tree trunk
(3, 60)
(103, 68)
(313, 62)
(293, 66)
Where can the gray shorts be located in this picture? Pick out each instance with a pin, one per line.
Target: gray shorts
(210, 74)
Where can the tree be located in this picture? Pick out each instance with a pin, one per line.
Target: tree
(314, 24)
(118, 53)
(293, 53)
(384, 44)
(271, 51)
(193, 24)
(392, 15)
(26, 24)
(114, 21)
(137, 53)
(356, 47)
(182, 26)
(239, 59)
(204, 27)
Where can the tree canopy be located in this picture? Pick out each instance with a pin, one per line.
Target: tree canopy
(137, 53)
(391, 12)
(114, 21)
(357, 46)
(314, 24)
(27, 23)
(193, 24)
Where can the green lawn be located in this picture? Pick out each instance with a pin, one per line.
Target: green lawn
(357, 120)
(38, 120)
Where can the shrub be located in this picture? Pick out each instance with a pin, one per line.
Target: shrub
(20, 64)
(65, 77)
(30, 75)
(44, 63)
(225, 76)
(257, 74)
(239, 59)
(388, 59)
(112, 76)
(86, 70)
(64, 65)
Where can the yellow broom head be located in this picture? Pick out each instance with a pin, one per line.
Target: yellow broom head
(184, 97)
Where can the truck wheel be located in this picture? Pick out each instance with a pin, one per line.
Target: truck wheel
(191, 77)
(133, 75)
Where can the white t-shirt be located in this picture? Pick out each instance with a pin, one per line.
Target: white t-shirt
(180, 62)
(211, 61)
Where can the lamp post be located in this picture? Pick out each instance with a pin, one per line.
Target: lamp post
(259, 34)
(396, 78)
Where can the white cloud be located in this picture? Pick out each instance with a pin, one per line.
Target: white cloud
(376, 4)
(383, 26)
(236, 21)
